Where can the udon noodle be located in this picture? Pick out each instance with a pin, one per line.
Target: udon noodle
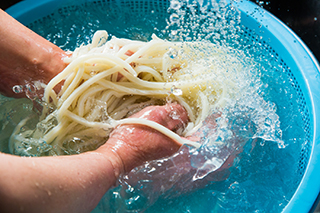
(108, 80)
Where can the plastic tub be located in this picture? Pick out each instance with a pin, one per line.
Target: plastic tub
(304, 70)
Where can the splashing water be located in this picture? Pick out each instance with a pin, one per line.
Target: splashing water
(249, 149)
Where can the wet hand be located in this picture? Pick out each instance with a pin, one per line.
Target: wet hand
(134, 144)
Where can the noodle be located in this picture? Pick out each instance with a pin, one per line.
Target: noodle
(106, 81)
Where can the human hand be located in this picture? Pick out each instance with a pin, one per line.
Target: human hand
(177, 175)
(134, 144)
(26, 58)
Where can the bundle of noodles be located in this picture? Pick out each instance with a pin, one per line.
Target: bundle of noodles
(106, 81)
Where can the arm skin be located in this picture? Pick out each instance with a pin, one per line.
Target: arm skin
(54, 184)
(25, 56)
(69, 183)
(77, 183)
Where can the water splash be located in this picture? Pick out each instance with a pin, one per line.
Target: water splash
(250, 125)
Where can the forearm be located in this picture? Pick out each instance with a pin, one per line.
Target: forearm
(55, 184)
(76, 183)
(25, 56)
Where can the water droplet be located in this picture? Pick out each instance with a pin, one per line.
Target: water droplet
(174, 32)
(31, 91)
(174, 115)
(234, 187)
(175, 5)
(17, 89)
(173, 53)
(176, 91)
(174, 18)
(130, 130)
(30, 88)
(281, 144)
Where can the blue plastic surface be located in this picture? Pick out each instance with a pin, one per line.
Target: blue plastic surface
(30, 10)
(305, 67)
(293, 51)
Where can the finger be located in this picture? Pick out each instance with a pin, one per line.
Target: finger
(172, 116)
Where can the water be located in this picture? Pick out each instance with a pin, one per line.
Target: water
(262, 130)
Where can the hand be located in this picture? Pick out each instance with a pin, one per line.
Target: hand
(25, 57)
(135, 144)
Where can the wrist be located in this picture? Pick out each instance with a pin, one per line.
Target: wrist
(113, 158)
(50, 64)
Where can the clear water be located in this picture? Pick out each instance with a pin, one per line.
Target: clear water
(266, 119)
